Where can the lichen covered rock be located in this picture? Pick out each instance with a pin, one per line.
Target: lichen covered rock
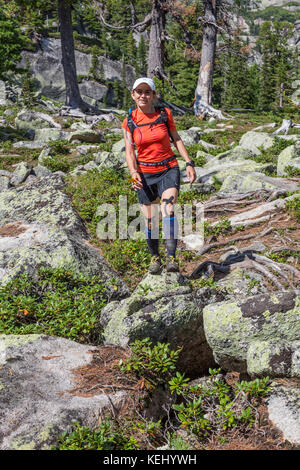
(39, 227)
(253, 140)
(243, 181)
(43, 202)
(288, 157)
(284, 410)
(232, 326)
(277, 358)
(163, 309)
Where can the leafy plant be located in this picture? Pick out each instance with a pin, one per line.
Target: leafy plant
(292, 171)
(59, 147)
(293, 208)
(55, 303)
(154, 363)
(57, 163)
(223, 226)
(108, 436)
(254, 388)
(191, 416)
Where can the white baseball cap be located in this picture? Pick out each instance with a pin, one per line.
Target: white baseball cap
(149, 82)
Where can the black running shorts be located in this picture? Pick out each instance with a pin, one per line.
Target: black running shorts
(154, 184)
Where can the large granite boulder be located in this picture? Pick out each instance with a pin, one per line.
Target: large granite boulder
(39, 227)
(227, 169)
(48, 134)
(118, 146)
(259, 335)
(253, 140)
(163, 308)
(191, 136)
(93, 92)
(43, 202)
(110, 160)
(22, 170)
(234, 154)
(243, 181)
(86, 135)
(40, 397)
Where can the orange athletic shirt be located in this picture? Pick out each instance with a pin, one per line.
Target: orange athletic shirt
(152, 143)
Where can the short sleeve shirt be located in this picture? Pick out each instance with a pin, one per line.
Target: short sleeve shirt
(152, 142)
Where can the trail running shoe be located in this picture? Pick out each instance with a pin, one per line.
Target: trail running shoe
(155, 265)
(172, 266)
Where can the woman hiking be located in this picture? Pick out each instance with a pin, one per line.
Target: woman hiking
(155, 172)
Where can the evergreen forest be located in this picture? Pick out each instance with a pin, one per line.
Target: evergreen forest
(253, 66)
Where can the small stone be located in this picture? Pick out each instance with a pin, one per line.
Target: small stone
(20, 174)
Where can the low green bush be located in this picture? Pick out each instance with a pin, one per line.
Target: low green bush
(108, 436)
(57, 302)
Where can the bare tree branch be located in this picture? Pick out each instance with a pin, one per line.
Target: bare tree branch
(142, 24)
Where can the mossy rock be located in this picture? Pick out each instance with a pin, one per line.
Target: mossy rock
(163, 309)
(253, 140)
(231, 326)
(288, 157)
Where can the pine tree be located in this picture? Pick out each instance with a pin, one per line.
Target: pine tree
(278, 64)
(141, 58)
(28, 87)
(11, 43)
(131, 49)
(237, 89)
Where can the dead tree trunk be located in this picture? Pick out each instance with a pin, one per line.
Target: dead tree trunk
(73, 97)
(156, 43)
(203, 92)
(204, 84)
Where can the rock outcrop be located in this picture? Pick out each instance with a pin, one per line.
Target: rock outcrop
(48, 72)
(39, 389)
(39, 227)
(259, 335)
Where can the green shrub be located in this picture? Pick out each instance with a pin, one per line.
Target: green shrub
(215, 407)
(108, 436)
(57, 163)
(223, 226)
(292, 172)
(155, 363)
(59, 147)
(293, 208)
(270, 155)
(57, 302)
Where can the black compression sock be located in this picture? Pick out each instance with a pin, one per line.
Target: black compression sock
(170, 228)
(153, 243)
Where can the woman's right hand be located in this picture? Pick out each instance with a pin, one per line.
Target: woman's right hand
(136, 181)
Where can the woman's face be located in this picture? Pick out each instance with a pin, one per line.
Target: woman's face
(143, 97)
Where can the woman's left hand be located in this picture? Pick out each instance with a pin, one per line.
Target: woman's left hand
(191, 174)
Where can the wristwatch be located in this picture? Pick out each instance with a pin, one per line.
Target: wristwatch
(190, 163)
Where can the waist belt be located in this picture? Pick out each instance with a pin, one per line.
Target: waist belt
(162, 163)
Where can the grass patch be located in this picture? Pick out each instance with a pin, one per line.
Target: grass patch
(129, 257)
(293, 208)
